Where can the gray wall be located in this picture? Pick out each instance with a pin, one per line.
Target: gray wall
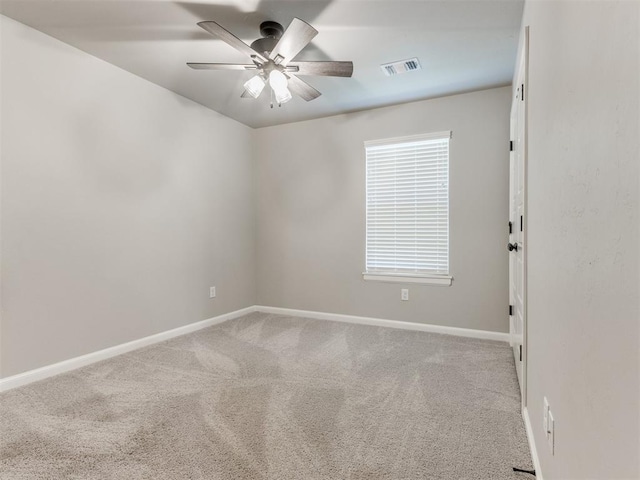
(121, 204)
(310, 181)
(583, 236)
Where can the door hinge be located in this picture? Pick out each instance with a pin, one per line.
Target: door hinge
(510, 228)
(520, 347)
(522, 92)
(521, 224)
(511, 145)
(511, 310)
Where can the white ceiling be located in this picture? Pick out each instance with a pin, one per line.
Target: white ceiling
(462, 46)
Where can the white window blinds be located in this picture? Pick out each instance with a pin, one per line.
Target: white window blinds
(408, 205)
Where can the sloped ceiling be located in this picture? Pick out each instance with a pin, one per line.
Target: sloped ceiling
(461, 45)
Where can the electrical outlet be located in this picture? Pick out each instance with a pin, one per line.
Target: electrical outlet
(404, 294)
(545, 417)
(212, 292)
(551, 432)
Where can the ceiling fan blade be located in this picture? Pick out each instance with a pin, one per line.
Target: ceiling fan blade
(302, 88)
(329, 69)
(221, 66)
(297, 36)
(218, 30)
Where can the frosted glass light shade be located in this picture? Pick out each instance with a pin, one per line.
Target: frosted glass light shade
(277, 80)
(254, 86)
(283, 95)
(279, 83)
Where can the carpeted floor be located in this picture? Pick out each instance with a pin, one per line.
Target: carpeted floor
(274, 397)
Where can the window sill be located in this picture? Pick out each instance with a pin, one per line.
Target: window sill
(438, 280)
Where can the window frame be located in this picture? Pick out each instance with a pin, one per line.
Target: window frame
(436, 279)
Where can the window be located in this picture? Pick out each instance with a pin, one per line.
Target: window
(408, 209)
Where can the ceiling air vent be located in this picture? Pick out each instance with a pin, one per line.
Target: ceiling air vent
(402, 66)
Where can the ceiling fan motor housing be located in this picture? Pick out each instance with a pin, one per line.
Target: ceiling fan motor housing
(271, 31)
(264, 45)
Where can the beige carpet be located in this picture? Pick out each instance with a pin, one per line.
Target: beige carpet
(273, 397)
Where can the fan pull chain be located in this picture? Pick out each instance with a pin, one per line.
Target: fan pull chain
(271, 99)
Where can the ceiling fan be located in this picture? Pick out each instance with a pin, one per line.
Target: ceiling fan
(272, 58)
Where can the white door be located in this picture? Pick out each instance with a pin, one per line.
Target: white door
(517, 220)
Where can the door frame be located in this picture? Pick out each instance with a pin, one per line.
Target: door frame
(521, 78)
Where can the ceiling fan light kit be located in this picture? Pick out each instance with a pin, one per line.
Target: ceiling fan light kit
(272, 58)
(254, 86)
(278, 83)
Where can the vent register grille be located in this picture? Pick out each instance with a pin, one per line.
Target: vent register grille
(402, 66)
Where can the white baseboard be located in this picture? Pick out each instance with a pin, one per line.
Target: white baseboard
(379, 322)
(84, 360)
(50, 370)
(532, 444)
